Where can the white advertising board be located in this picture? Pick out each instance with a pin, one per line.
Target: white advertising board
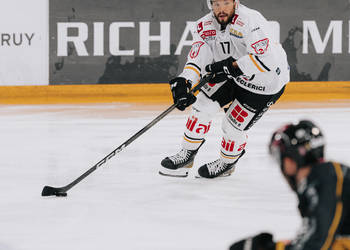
(24, 42)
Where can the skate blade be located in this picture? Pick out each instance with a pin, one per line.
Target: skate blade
(182, 172)
(201, 177)
(226, 174)
(173, 175)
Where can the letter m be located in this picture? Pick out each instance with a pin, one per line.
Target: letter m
(335, 28)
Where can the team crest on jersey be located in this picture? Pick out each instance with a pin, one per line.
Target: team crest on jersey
(236, 33)
(195, 49)
(261, 46)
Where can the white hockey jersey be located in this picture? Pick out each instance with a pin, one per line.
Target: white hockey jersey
(248, 39)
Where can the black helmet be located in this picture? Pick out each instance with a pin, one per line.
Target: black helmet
(303, 142)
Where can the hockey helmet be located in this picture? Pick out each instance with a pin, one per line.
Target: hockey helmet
(209, 3)
(303, 142)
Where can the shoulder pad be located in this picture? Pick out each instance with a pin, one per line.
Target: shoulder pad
(205, 23)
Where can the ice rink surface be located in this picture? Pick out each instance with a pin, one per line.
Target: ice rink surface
(125, 204)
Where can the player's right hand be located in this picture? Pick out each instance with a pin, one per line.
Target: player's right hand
(180, 88)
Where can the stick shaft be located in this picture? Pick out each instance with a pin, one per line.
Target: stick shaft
(203, 81)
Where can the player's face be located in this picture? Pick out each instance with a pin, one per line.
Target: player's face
(223, 10)
(290, 167)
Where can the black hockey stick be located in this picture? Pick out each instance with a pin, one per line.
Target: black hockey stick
(62, 191)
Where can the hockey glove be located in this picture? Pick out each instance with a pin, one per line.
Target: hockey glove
(226, 67)
(180, 87)
(219, 78)
(262, 241)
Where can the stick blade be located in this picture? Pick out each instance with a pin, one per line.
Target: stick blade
(51, 191)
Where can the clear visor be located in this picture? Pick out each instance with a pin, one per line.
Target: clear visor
(277, 146)
(275, 154)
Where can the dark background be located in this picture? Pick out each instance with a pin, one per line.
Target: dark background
(74, 69)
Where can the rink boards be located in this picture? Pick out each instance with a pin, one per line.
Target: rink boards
(329, 92)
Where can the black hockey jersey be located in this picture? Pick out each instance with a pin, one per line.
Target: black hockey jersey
(324, 204)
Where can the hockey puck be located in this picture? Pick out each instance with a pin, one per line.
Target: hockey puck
(61, 194)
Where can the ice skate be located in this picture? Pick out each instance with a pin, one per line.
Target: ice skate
(215, 169)
(178, 165)
(218, 168)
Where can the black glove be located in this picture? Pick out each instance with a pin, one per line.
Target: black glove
(226, 67)
(263, 241)
(180, 87)
(218, 78)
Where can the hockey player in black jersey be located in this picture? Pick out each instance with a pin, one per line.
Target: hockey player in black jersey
(322, 187)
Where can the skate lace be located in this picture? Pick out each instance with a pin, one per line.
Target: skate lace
(216, 167)
(181, 157)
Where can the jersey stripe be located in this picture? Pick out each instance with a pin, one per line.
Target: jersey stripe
(228, 156)
(256, 64)
(195, 65)
(262, 64)
(280, 245)
(192, 140)
(194, 69)
(338, 209)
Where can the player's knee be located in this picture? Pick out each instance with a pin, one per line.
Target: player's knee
(233, 142)
(232, 132)
(206, 105)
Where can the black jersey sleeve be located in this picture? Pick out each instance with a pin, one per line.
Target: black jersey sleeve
(321, 207)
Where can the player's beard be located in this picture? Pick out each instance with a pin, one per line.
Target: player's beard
(228, 20)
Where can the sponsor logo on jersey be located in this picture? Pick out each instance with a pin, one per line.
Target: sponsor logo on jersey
(242, 146)
(244, 82)
(238, 113)
(208, 33)
(208, 23)
(210, 88)
(200, 27)
(195, 49)
(261, 46)
(236, 33)
(237, 21)
(239, 116)
(227, 145)
(192, 125)
(240, 23)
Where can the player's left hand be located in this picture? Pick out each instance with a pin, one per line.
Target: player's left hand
(225, 66)
(262, 241)
(218, 78)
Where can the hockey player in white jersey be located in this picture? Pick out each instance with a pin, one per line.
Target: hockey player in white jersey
(250, 71)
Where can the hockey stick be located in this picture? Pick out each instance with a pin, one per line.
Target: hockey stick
(62, 191)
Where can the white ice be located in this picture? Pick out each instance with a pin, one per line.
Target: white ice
(125, 204)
